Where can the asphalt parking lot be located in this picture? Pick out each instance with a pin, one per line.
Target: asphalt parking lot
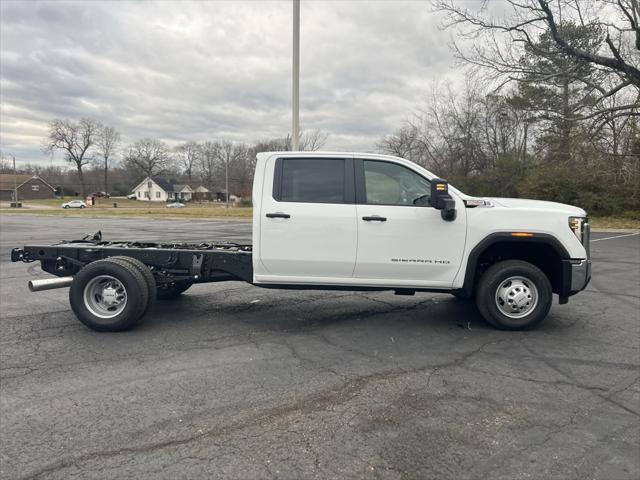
(239, 382)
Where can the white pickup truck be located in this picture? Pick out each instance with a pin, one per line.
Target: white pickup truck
(345, 221)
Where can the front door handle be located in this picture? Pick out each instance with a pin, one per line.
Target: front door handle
(278, 215)
(375, 218)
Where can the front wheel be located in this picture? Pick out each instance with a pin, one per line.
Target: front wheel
(514, 295)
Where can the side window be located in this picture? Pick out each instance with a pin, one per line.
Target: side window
(311, 181)
(391, 184)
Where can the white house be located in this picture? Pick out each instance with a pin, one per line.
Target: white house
(157, 189)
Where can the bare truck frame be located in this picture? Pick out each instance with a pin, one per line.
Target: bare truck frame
(170, 263)
(114, 283)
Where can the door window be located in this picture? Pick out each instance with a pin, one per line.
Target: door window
(312, 181)
(392, 184)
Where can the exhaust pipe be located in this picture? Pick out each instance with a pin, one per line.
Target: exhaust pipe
(50, 283)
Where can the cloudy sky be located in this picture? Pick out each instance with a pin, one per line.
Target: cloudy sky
(213, 70)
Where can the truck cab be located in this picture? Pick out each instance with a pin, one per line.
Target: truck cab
(350, 220)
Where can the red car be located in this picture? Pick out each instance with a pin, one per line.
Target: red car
(100, 194)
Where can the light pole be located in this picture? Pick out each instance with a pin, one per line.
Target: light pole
(296, 77)
(226, 181)
(15, 182)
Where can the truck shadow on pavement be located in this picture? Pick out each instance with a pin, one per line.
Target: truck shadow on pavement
(299, 313)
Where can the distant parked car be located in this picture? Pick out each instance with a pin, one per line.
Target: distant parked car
(74, 204)
(175, 205)
(100, 194)
(132, 196)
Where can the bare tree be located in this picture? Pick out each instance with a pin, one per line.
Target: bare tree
(187, 155)
(310, 141)
(107, 143)
(75, 140)
(244, 169)
(464, 135)
(207, 163)
(148, 157)
(5, 165)
(412, 141)
(590, 39)
(228, 154)
(313, 140)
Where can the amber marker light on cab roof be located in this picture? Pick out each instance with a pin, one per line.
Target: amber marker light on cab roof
(521, 234)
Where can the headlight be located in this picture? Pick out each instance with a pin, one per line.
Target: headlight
(576, 224)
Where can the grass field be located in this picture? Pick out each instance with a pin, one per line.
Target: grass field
(615, 222)
(128, 208)
(136, 208)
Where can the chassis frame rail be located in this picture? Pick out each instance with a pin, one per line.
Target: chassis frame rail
(169, 262)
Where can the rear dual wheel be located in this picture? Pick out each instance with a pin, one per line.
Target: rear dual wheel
(150, 280)
(113, 294)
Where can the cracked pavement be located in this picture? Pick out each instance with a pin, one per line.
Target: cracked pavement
(234, 381)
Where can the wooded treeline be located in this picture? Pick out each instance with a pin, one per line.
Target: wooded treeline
(550, 109)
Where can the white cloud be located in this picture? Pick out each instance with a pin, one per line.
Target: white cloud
(214, 70)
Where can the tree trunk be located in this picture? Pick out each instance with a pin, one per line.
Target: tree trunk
(565, 134)
(524, 142)
(226, 182)
(83, 190)
(106, 168)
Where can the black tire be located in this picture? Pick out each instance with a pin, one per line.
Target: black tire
(146, 273)
(492, 280)
(81, 206)
(133, 283)
(66, 206)
(173, 291)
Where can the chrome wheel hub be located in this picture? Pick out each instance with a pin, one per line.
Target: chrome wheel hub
(105, 296)
(110, 296)
(516, 297)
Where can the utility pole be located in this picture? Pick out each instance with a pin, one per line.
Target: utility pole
(296, 77)
(15, 182)
(226, 181)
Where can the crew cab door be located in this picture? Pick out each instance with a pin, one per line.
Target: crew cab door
(401, 241)
(308, 230)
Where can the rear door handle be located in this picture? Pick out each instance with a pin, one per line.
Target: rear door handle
(278, 215)
(375, 218)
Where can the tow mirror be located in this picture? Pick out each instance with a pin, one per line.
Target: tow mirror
(441, 200)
